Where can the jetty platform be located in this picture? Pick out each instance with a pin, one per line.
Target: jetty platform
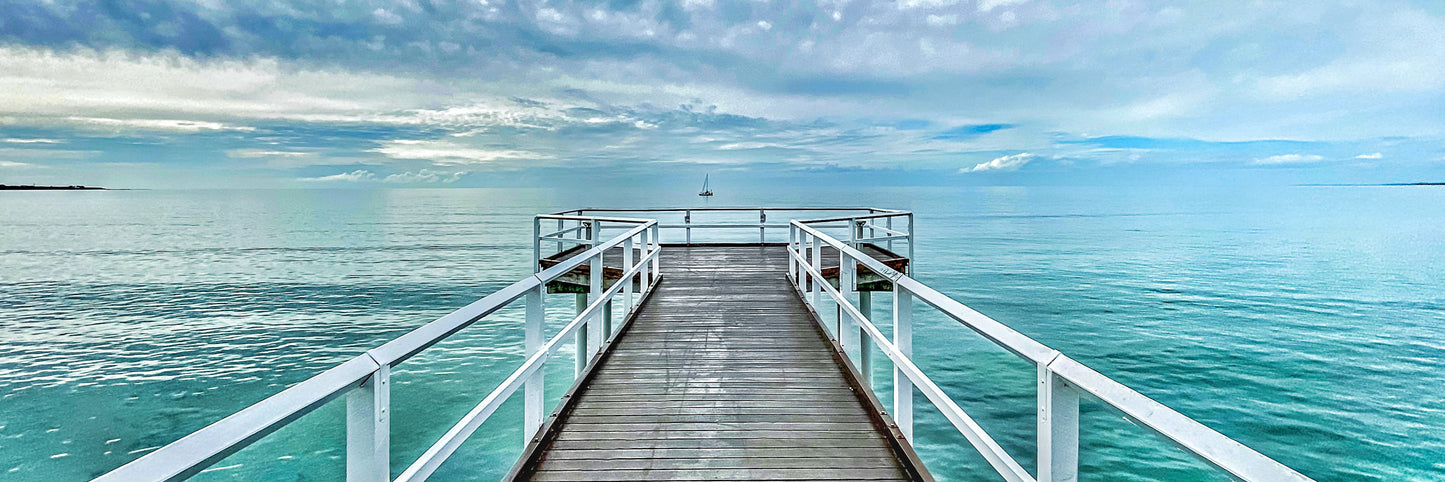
(722, 375)
(712, 344)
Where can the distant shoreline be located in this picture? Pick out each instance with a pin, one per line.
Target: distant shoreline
(4, 187)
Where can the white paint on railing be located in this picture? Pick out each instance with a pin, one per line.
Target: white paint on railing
(1061, 380)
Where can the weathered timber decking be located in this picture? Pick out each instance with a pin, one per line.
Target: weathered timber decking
(722, 375)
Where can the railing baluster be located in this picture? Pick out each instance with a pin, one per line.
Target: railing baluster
(596, 334)
(817, 256)
(581, 336)
(560, 226)
(536, 245)
(1058, 438)
(888, 223)
(912, 262)
(796, 247)
(687, 220)
(762, 227)
(533, 393)
(368, 429)
(646, 272)
(657, 244)
(626, 283)
(847, 274)
(903, 339)
(865, 346)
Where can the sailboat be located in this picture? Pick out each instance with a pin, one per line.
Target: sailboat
(705, 191)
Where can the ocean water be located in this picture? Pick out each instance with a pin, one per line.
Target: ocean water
(1306, 322)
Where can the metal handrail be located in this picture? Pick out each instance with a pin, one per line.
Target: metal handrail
(1061, 379)
(865, 214)
(365, 379)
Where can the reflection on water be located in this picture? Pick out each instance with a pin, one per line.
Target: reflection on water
(1305, 322)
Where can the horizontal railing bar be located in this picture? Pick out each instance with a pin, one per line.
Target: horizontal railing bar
(996, 332)
(879, 238)
(195, 452)
(753, 209)
(445, 446)
(593, 218)
(560, 239)
(856, 218)
(721, 225)
(976, 435)
(404, 346)
(1206, 443)
(886, 230)
(565, 231)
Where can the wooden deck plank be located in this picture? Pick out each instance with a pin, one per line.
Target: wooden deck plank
(721, 376)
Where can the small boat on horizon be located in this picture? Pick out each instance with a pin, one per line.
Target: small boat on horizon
(706, 192)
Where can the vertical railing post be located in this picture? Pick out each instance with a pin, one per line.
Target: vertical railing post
(536, 245)
(888, 223)
(912, 262)
(368, 429)
(865, 345)
(581, 335)
(606, 321)
(762, 228)
(645, 274)
(597, 335)
(560, 225)
(818, 267)
(534, 338)
(853, 233)
(1058, 429)
(903, 339)
(793, 248)
(657, 244)
(687, 225)
(626, 283)
(847, 274)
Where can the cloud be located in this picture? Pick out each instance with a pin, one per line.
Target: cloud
(1006, 163)
(1289, 159)
(424, 176)
(31, 141)
(359, 175)
(1375, 155)
(448, 153)
(14, 165)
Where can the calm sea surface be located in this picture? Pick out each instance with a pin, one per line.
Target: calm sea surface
(1306, 322)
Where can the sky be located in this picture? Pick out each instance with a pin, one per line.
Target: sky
(339, 93)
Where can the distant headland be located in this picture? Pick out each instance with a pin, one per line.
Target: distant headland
(4, 187)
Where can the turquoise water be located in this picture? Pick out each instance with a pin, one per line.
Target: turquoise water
(1306, 322)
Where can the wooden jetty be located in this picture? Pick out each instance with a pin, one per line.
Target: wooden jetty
(727, 361)
(723, 374)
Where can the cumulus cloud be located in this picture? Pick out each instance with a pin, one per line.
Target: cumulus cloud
(448, 153)
(424, 176)
(359, 175)
(1289, 159)
(1374, 155)
(1006, 163)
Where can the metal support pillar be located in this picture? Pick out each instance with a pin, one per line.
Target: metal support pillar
(368, 429)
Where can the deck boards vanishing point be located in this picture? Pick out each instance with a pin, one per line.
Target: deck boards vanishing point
(722, 376)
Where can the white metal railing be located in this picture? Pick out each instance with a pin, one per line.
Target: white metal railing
(1061, 380)
(875, 221)
(365, 380)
